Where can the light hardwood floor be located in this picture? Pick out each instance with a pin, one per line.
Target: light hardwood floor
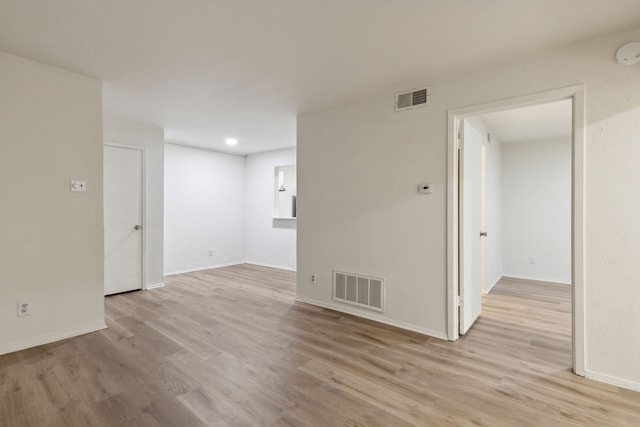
(230, 347)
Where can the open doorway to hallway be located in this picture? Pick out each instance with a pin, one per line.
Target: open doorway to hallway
(526, 190)
(514, 207)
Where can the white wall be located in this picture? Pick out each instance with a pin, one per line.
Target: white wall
(124, 131)
(268, 241)
(204, 209)
(536, 188)
(359, 166)
(51, 253)
(366, 216)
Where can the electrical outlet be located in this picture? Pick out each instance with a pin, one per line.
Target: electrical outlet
(210, 252)
(532, 260)
(24, 308)
(313, 279)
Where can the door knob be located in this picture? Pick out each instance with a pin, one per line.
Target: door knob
(483, 234)
(138, 227)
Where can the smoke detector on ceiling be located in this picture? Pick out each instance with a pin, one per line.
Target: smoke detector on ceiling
(629, 54)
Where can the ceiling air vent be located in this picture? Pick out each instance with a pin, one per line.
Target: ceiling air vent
(413, 99)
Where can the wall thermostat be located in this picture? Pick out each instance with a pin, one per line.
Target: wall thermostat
(425, 188)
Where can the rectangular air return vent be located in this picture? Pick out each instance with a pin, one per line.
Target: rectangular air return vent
(356, 289)
(413, 99)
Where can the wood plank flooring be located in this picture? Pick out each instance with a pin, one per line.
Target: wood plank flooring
(230, 347)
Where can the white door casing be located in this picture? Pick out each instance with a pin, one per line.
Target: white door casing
(123, 208)
(577, 94)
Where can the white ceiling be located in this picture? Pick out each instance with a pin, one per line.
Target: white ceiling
(534, 123)
(209, 69)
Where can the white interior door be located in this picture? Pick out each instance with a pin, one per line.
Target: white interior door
(470, 217)
(122, 219)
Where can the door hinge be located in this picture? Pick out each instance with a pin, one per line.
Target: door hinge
(459, 301)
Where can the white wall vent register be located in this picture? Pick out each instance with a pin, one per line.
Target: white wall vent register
(362, 291)
(413, 99)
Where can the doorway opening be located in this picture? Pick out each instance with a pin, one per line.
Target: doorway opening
(468, 255)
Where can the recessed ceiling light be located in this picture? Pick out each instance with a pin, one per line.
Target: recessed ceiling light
(231, 141)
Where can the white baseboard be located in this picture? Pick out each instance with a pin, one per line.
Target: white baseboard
(38, 340)
(154, 286)
(608, 379)
(535, 279)
(375, 318)
(493, 284)
(193, 270)
(279, 267)
(208, 267)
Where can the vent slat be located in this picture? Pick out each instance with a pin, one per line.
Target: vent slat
(363, 290)
(375, 293)
(404, 101)
(419, 97)
(341, 286)
(352, 289)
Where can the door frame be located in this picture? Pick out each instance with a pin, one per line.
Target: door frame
(577, 94)
(143, 211)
